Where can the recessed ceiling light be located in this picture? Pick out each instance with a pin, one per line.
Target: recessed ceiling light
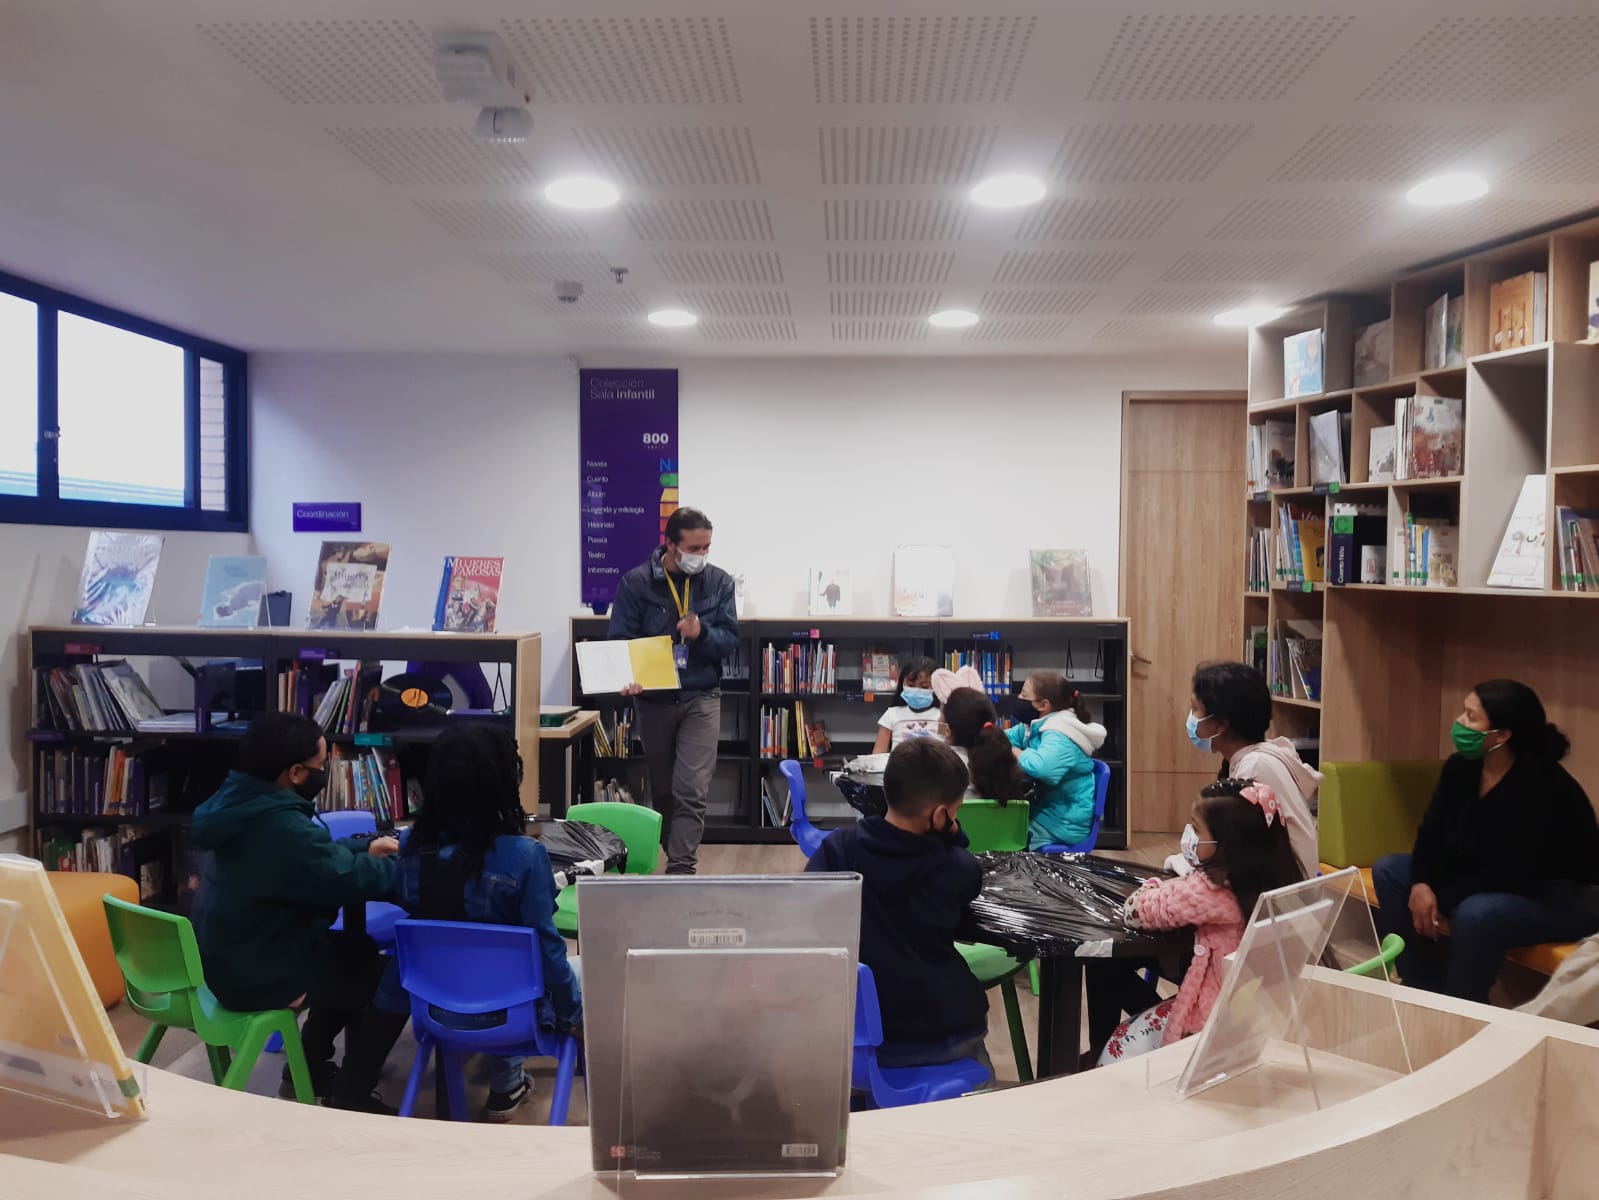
(1456, 187)
(953, 318)
(582, 191)
(673, 318)
(1250, 315)
(1007, 191)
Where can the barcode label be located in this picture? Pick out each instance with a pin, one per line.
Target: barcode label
(801, 1149)
(704, 939)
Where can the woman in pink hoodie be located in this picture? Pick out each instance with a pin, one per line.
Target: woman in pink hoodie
(1238, 846)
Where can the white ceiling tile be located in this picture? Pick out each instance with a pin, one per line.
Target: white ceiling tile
(1573, 158)
(917, 59)
(893, 220)
(1380, 153)
(922, 155)
(883, 304)
(601, 332)
(720, 267)
(700, 220)
(1098, 218)
(602, 300)
(626, 60)
(1148, 153)
(1282, 218)
(1374, 267)
(424, 155)
(334, 61)
(1212, 56)
(1034, 302)
(749, 331)
(1490, 218)
(1061, 266)
(1037, 330)
(673, 156)
(880, 331)
(1234, 266)
(1153, 332)
(550, 266)
(889, 266)
(501, 220)
(737, 304)
(1513, 58)
(1183, 301)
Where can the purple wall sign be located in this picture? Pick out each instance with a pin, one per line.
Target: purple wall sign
(327, 518)
(628, 448)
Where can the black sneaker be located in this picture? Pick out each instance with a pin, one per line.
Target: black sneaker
(323, 1075)
(370, 1103)
(502, 1106)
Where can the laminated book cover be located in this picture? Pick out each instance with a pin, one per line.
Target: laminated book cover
(234, 585)
(924, 581)
(1061, 583)
(830, 592)
(118, 578)
(469, 594)
(349, 585)
(1437, 437)
(1302, 364)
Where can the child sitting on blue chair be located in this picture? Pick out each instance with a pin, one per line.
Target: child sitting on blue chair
(918, 884)
(467, 859)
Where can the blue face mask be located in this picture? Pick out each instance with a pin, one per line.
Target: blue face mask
(917, 699)
(1200, 743)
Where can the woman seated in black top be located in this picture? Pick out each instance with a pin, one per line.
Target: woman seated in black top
(1506, 842)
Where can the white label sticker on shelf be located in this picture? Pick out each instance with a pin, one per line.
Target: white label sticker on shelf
(714, 939)
(801, 1149)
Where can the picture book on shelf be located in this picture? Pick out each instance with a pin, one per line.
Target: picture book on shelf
(879, 670)
(924, 581)
(1519, 563)
(1432, 436)
(1577, 541)
(1455, 332)
(1518, 310)
(1354, 528)
(1271, 456)
(234, 585)
(118, 578)
(1380, 455)
(1327, 448)
(830, 592)
(469, 594)
(1061, 583)
(1374, 353)
(1302, 364)
(1593, 303)
(349, 585)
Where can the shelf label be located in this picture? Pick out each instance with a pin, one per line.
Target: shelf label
(374, 739)
(80, 648)
(312, 654)
(1308, 586)
(1326, 489)
(985, 635)
(1261, 497)
(327, 518)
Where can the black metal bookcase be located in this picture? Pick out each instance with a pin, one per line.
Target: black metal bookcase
(1092, 652)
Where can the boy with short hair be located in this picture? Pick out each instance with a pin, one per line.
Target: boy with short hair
(918, 884)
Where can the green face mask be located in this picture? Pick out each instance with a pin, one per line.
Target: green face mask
(1468, 741)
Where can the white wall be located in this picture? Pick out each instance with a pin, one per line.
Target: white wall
(798, 462)
(38, 585)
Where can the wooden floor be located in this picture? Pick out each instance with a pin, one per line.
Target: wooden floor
(180, 1052)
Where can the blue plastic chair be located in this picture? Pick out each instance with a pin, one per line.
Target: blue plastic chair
(895, 1087)
(807, 835)
(380, 916)
(1101, 791)
(467, 968)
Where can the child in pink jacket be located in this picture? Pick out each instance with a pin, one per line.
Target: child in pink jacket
(1239, 846)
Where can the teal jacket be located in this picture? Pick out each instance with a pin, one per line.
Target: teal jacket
(1056, 754)
(273, 882)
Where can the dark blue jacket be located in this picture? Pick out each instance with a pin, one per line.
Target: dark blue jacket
(916, 896)
(644, 608)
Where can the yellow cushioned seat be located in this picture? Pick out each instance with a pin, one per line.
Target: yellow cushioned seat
(79, 893)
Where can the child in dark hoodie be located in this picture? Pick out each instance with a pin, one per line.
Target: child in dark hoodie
(275, 882)
(918, 884)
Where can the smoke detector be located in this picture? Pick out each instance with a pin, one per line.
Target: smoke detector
(476, 68)
(509, 124)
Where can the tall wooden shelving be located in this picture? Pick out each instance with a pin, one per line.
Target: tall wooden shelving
(1396, 661)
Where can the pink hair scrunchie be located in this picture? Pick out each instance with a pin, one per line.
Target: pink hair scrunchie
(946, 681)
(1263, 798)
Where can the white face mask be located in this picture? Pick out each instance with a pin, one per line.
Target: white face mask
(691, 564)
(1190, 844)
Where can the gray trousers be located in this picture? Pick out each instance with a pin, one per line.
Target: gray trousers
(680, 737)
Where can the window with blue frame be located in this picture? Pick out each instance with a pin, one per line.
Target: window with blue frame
(109, 419)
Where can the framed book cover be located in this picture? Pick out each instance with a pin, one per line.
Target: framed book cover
(118, 578)
(469, 594)
(1062, 586)
(234, 586)
(830, 593)
(348, 589)
(924, 581)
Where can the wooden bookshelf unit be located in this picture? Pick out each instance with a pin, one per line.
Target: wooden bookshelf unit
(1397, 660)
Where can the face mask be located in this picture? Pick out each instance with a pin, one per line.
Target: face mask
(1024, 710)
(1468, 741)
(950, 831)
(1190, 844)
(314, 782)
(917, 699)
(1193, 734)
(691, 564)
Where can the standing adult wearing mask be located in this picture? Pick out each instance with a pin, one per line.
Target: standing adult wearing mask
(1228, 714)
(1503, 853)
(676, 593)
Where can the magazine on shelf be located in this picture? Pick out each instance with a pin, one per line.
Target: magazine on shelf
(1520, 561)
(1062, 586)
(349, 585)
(830, 593)
(118, 578)
(234, 586)
(469, 594)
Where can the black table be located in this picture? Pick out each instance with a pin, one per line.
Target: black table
(1060, 992)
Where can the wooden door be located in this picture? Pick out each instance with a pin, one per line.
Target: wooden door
(1182, 579)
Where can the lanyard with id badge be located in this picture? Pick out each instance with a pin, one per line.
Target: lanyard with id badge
(680, 647)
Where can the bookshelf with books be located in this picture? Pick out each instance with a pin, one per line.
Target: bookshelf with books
(1472, 468)
(116, 775)
(815, 687)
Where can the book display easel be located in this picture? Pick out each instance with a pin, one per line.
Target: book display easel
(118, 798)
(1489, 391)
(804, 688)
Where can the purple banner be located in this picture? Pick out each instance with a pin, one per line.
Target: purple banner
(628, 448)
(327, 518)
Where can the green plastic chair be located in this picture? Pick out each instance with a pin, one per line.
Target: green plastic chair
(639, 827)
(160, 963)
(991, 826)
(1383, 965)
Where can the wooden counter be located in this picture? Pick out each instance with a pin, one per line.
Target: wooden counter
(1501, 1105)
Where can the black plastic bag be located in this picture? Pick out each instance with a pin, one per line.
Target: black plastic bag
(569, 842)
(1042, 902)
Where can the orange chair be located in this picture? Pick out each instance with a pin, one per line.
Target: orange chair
(80, 895)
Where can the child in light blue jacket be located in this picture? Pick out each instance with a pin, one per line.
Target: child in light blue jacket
(1055, 750)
